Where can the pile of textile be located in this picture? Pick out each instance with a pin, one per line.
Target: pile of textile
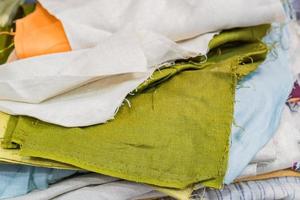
(140, 99)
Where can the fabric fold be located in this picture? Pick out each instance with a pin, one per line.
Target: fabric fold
(162, 118)
(124, 43)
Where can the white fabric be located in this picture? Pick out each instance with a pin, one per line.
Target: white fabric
(250, 170)
(68, 185)
(118, 43)
(176, 19)
(285, 143)
(266, 154)
(125, 63)
(120, 190)
(93, 186)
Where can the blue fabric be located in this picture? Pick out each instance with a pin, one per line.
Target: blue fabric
(259, 104)
(16, 180)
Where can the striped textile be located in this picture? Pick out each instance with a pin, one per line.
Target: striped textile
(286, 188)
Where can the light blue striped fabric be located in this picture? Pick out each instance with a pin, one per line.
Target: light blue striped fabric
(287, 188)
(259, 104)
(18, 180)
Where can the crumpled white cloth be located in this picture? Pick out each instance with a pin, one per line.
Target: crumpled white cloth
(85, 87)
(285, 143)
(117, 44)
(176, 19)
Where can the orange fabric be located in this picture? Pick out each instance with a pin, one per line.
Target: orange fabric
(40, 33)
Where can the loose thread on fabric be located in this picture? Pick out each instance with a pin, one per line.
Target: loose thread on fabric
(203, 194)
(7, 33)
(219, 51)
(279, 41)
(152, 98)
(246, 57)
(198, 195)
(201, 61)
(128, 102)
(242, 86)
(238, 126)
(7, 48)
(122, 104)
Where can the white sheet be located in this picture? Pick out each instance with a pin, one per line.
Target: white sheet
(117, 45)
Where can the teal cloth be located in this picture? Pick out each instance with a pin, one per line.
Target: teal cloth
(16, 180)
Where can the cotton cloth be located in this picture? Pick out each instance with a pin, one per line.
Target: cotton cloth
(126, 41)
(132, 153)
(177, 19)
(286, 145)
(129, 70)
(18, 180)
(276, 188)
(177, 98)
(266, 91)
(274, 174)
(93, 185)
(68, 185)
(112, 191)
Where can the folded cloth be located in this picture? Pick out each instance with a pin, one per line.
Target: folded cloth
(276, 188)
(68, 185)
(127, 40)
(275, 174)
(266, 91)
(18, 180)
(41, 33)
(286, 141)
(141, 144)
(177, 19)
(63, 72)
(226, 36)
(95, 186)
(111, 191)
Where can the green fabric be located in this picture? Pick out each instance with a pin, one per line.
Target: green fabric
(249, 34)
(173, 135)
(10, 10)
(5, 45)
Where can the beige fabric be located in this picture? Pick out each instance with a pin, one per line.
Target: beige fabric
(280, 173)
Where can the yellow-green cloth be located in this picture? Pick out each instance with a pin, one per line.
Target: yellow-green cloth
(173, 135)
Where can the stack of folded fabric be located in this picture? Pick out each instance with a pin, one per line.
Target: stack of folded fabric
(138, 99)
